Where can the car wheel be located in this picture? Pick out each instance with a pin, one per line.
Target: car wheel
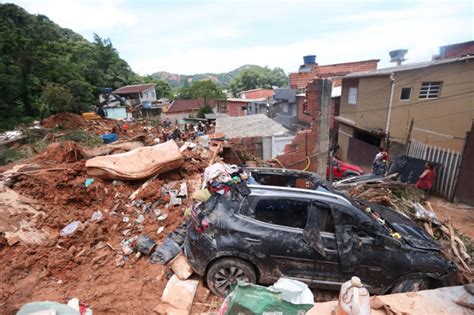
(411, 285)
(225, 272)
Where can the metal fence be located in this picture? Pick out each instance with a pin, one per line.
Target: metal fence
(450, 161)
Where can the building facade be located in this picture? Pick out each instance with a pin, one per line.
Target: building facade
(437, 95)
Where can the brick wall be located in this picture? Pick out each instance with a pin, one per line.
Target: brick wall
(308, 109)
(235, 108)
(303, 145)
(257, 93)
(457, 50)
(301, 79)
(252, 146)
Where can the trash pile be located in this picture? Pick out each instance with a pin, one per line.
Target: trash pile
(91, 213)
(412, 203)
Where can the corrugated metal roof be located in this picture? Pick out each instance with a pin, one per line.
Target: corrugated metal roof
(405, 67)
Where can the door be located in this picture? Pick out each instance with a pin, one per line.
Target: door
(320, 235)
(272, 231)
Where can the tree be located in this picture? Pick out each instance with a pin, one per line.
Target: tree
(205, 89)
(57, 98)
(206, 109)
(162, 88)
(257, 77)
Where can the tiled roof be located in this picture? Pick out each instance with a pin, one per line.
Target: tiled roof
(179, 106)
(138, 88)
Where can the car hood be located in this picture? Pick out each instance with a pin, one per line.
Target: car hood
(351, 167)
(410, 232)
(415, 236)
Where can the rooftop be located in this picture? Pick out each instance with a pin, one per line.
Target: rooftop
(249, 126)
(138, 88)
(179, 106)
(405, 67)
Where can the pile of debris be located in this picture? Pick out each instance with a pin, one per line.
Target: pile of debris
(413, 203)
(88, 212)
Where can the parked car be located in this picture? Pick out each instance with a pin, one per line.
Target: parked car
(314, 235)
(343, 170)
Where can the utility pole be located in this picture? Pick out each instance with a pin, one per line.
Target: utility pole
(323, 143)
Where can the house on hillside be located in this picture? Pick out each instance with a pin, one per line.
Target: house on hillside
(437, 95)
(139, 94)
(180, 109)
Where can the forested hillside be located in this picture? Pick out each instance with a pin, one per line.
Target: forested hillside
(38, 58)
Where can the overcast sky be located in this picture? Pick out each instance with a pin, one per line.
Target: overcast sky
(188, 37)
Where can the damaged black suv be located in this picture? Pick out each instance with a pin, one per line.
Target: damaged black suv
(315, 235)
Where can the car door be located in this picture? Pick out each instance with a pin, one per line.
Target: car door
(272, 232)
(320, 235)
(361, 253)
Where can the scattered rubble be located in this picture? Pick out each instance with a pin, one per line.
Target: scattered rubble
(411, 202)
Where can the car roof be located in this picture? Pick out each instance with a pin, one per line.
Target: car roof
(299, 192)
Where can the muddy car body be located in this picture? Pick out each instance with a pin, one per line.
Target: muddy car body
(314, 235)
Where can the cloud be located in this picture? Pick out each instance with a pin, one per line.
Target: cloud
(192, 37)
(85, 16)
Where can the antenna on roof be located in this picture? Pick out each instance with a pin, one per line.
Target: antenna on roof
(398, 56)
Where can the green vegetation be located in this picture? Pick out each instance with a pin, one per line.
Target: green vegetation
(203, 111)
(205, 89)
(258, 77)
(39, 59)
(178, 81)
(82, 137)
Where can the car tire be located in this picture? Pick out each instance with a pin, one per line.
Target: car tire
(411, 285)
(223, 273)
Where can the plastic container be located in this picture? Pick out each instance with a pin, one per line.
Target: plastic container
(109, 137)
(309, 59)
(354, 299)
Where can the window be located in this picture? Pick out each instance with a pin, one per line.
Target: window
(301, 90)
(324, 217)
(430, 89)
(279, 211)
(352, 96)
(405, 94)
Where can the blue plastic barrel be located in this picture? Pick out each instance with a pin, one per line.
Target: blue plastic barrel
(109, 137)
(309, 59)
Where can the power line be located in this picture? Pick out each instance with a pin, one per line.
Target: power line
(425, 102)
(401, 82)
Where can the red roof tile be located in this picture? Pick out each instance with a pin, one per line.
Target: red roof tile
(138, 88)
(179, 106)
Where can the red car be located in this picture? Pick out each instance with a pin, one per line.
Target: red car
(342, 170)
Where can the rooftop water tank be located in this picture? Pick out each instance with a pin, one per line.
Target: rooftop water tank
(309, 59)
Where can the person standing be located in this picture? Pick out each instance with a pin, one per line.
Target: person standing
(425, 181)
(380, 163)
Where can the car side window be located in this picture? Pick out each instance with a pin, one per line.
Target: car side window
(324, 217)
(280, 211)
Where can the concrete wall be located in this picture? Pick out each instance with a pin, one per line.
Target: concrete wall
(148, 95)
